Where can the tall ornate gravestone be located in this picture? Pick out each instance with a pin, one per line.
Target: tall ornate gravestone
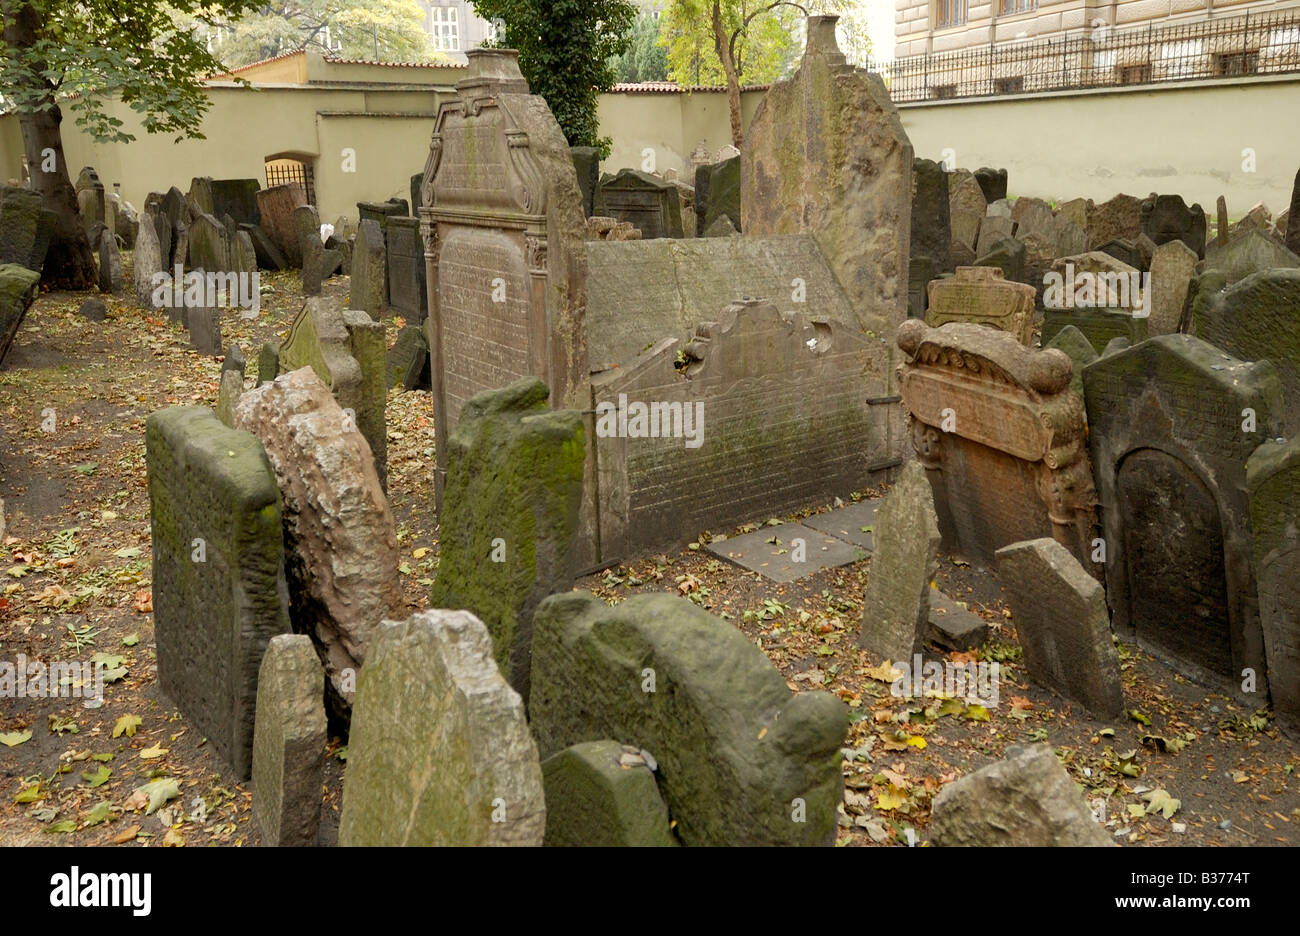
(501, 216)
(1001, 437)
(1171, 423)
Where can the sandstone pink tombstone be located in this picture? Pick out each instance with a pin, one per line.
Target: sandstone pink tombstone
(981, 296)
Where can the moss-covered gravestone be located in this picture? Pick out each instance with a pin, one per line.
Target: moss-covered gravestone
(219, 590)
(602, 793)
(439, 752)
(740, 759)
(1075, 345)
(17, 292)
(1273, 477)
(509, 513)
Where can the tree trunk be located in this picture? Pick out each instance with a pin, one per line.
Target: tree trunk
(722, 43)
(69, 262)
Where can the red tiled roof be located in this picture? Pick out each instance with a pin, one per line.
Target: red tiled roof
(672, 87)
(339, 61)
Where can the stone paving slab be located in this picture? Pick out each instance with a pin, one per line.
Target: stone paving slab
(846, 523)
(753, 551)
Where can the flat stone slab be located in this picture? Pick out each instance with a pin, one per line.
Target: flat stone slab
(953, 627)
(776, 561)
(847, 523)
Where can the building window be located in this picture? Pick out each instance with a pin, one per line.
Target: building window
(1236, 63)
(943, 92)
(949, 13)
(1009, 85)
(281, 170)
(1135, 74)
(446, 29)
(1009, 7)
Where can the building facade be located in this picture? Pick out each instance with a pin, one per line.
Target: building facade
(454, 27)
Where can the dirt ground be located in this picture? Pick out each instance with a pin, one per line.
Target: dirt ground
(1186, 766)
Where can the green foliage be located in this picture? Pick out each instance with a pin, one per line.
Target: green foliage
(646, 58)
(133, 47)
(565, 48)
(374, 30)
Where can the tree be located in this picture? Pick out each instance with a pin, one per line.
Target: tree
(754, 41)
(565, 48)
(55, 53)
(377, 30)
(646, 58)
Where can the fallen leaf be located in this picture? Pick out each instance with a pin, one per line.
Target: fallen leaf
(126, 835)
(15, 738)
(143, 601)
(98, 814)
(151, 753)
(126, 725)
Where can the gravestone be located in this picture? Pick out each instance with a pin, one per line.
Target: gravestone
(1167, 429)
(203, 323)
(439, 751)
(209, 245)
(147, 260)
(1125, 252)
(229, 391)
(243, 255)
(981, 296)
(1008, 255)
(381, 212)
(1001, 438)
(993, 228)
(722, 195)
(932, 233)
(966, 210)
(408, 360)
(1258, 218)
(127, 220)
(417, 184)
(851, 190)
(93, 310)
(219, 593)
(289, 743)
(1076, 210)
(648, 203)
(110, 264)
(1078, 349)
(25, 228)
(269, 255)
(346, 349)
(340, 540)
(1167, 217)
(486, 218)
(920, 271)
(992, 182)
(90, 198)
(1099, 326)
(237, 198)
(896, 606)
(1117, 219)
(408, 294)
(18, 287)
(740, 758)
(509, 515)
(1027, 799)
(1292, 239)
(310, 247)
(999, 208)
(163, 228)
(1173, 266)
(1248, 253)
(1254, 320)
(369, 286)
(602, 794)
(703, 172)
(1273, 479)
(1221, 221)
(277, 205)
(1061, 620)
(586, 163)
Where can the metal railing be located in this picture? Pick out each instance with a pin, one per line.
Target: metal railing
(1103, 57)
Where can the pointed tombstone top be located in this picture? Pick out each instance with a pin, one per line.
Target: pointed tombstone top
(821, 39)
(495, 71)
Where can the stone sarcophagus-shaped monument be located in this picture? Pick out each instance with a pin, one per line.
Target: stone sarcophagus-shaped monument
(1172, 422)
(1001, 437)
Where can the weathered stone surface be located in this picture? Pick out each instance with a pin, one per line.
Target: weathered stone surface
(1273, 479)
(826, 154)
(408, 359)
(980, 295)
(228, 394)
(439, 750)
(148, 262)
(110, 264)
(920, 271)
(1120, 218)
(243, 255)
(647, 202)
(1124, 251)
(1292, 239)
(1078, 349)
(998, 208)
(381, 212)
(932, 232)
(722, 197)
(586, 163)
(1256, 319)
(1221, 221)
(1169, 448)
(1099, 326)
(346, 349)
(896, 605)
(1025, 800)
(407, 286)
(509, 515)
(1172, 269)
(1008, 255)
(18, 287)
(1258, 218)
(209, 245)
(237, 198)
(340, 541)
(1167, 217)
(93, 310)
(992, 182)
(310, 248)
(268, 362)
(277, 205)
(25, 228)
(1060, 615)
(269, 256)
(218, 579)
(1002, 439)
(1093, 280)
(1247, 253)
(369, 285)
(204, 326)
(992, 229)
(602, 794)
(740, 759)
(289, 743)
(1076, 210)
(952, 626)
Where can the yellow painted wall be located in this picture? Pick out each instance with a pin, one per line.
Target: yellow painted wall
(671, 125)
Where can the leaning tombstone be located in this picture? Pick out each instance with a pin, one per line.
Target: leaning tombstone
(369, 285)
(110, 264)
(277, 205)
(311, 247)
